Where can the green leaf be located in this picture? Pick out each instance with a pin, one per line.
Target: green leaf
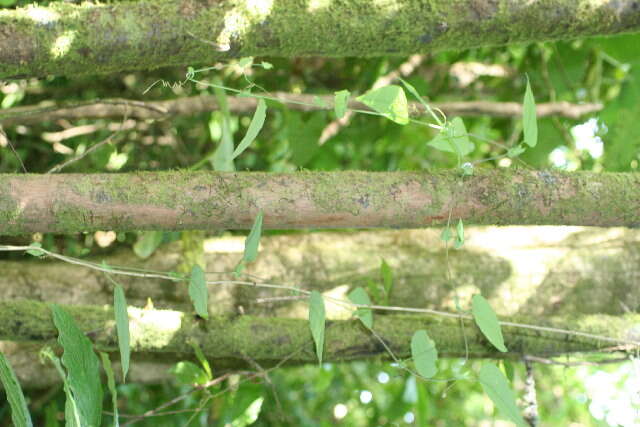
(529, 118)
(252, 241)
(198, 291)
(122, 328)
(83, 367)
(266, 65)
(387, 279)
(189, 373)
(147, 243)
(445, 236)
(19, 411)
(245, 62)
(412, 90)
(508, 369)
(495, 384)
(340, 103)
(111, 383)
(516, 151)
(453, 139)
(459, 242)
(36, 249)
(359, 296)
(467, 169)
(318, 102)
(222, 157)
(487, 321)
(390, 101)
(424, 354)
(71, 413)
(374, 290)
(316, 321)
(257, 121)
(201, 358)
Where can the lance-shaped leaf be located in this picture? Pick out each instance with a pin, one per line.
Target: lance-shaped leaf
(359, 296)
(487, 321)
(82, 365)
(496, 385)
(19, 411)
(122, 328)
(424, 354)
(198, 291)
(254, 128)
(111, 383)
(316, 321)
(529, 118)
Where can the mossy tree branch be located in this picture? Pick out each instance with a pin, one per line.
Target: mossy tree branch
(211, 200)
(64, 38)
(269, 341)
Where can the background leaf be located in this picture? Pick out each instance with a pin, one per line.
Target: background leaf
(122, 328)
(189, 373)
(424, 354)
(82, 365)
(390, 101)
(387, 279)
(487, 321)
(359, 296)
(198, 291)
(147, 243)
(19, 411)
(316, 321)
(496, 386)
(529, 118)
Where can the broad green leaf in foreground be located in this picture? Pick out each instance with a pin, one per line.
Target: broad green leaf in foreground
(359, 296)
(495, 384)
(529, 118)
(340, 103)
(316, 321)
(82, 365)
(122, 328)
(254, 128)
(390, 101)
(198, 291)
(19, 411)
(487, 321)
(453, 138)
(424, 354)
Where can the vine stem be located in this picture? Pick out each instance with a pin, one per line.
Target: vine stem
(125, 271)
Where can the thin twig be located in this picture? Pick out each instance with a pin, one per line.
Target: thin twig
(624, 343)
(4, 136)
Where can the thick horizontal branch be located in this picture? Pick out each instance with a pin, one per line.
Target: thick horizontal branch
(270, 340)
(213, 200)
(64, 38)
(117, 108)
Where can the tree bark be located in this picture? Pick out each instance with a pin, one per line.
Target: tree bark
(270, 340)
(160, 110)
(212, 200)
(70, 39)
(526, 272)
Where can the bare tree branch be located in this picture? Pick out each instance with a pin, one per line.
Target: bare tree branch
(161, 110)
